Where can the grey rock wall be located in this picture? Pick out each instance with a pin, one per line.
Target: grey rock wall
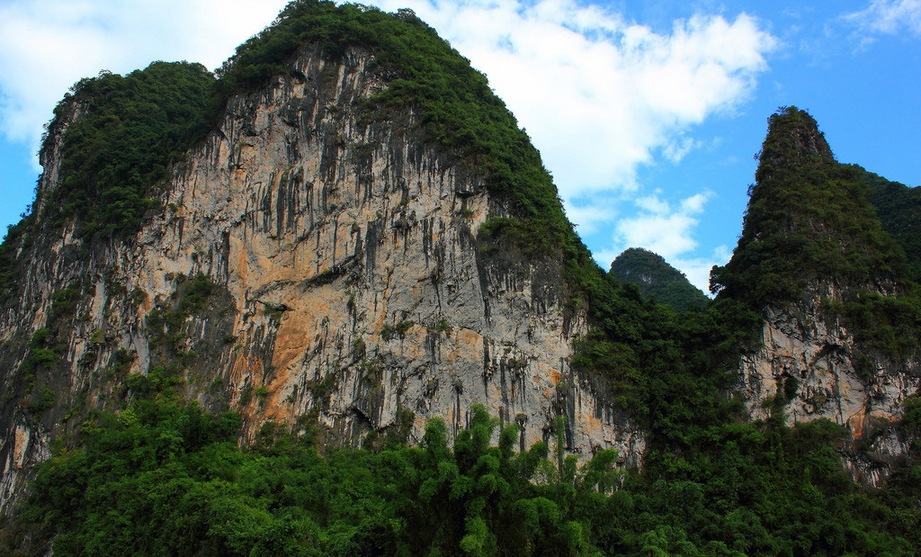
(811, 360)
(351, 286)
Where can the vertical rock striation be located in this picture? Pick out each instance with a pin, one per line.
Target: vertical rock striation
(811, 363)
(339, 276)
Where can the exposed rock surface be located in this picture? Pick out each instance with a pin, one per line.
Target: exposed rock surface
(348, 284)
(812, 257)
(813, 363)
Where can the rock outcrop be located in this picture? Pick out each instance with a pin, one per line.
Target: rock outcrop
(814, 261)
(811, 365)
(337, 275)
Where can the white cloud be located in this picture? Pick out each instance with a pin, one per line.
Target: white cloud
(600, 95)
(667, 228)
(572, 71)
(662, 227)
(888, 17)
(677, 148)
(589, 215)
(47, 45)
(697, 269)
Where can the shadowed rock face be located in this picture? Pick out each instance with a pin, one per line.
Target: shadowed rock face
(345, 281)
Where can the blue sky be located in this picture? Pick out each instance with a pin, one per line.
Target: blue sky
(648, 113)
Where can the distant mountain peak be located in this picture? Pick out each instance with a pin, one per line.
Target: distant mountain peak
(655, 278)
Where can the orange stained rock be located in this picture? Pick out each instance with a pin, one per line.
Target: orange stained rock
(466, 342)
(21, 444)
(591, 425)
(244, 367)
(857, 423)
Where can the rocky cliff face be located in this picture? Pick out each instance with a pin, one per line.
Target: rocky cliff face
(310, 265)
(811, 362)
(814, 261)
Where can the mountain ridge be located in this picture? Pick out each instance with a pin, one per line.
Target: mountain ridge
(349, 260)
(306, 156)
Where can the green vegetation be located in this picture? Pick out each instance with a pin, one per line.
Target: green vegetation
(400, 329)
(16, 237)
(888, 325)
(655, 278)
(899, 209)
(161, 477)
(47, 352)
(130, 130)
(165, 324)
(458, 110)
(809, 219)
(164, 478)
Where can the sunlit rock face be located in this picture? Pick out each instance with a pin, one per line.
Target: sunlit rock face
(812, 250)
(347, 287)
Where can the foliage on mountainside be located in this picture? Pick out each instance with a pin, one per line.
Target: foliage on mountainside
(16, 237)
(655, 278)
(128, 132)
(458, 112)
(811, 224)
(457, 108)
(899, 209)
(892, 324)
(163, 478)
(809, 219)
(130, 129)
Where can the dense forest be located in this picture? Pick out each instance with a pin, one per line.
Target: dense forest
(165, 478)
(161, 476)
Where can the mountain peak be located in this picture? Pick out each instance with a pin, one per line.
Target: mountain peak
(793, 138)
(346, 240)
(654, 277)
(810, 223)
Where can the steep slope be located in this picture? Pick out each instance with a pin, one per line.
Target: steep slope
(841, 313)
(344, 235)
(349, 247)
(657, 279)
(809, 220)
(899, 209)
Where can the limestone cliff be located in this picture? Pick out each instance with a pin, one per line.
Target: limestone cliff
(811, 362)
(308, 263)
(835, 293)
(330, 250)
